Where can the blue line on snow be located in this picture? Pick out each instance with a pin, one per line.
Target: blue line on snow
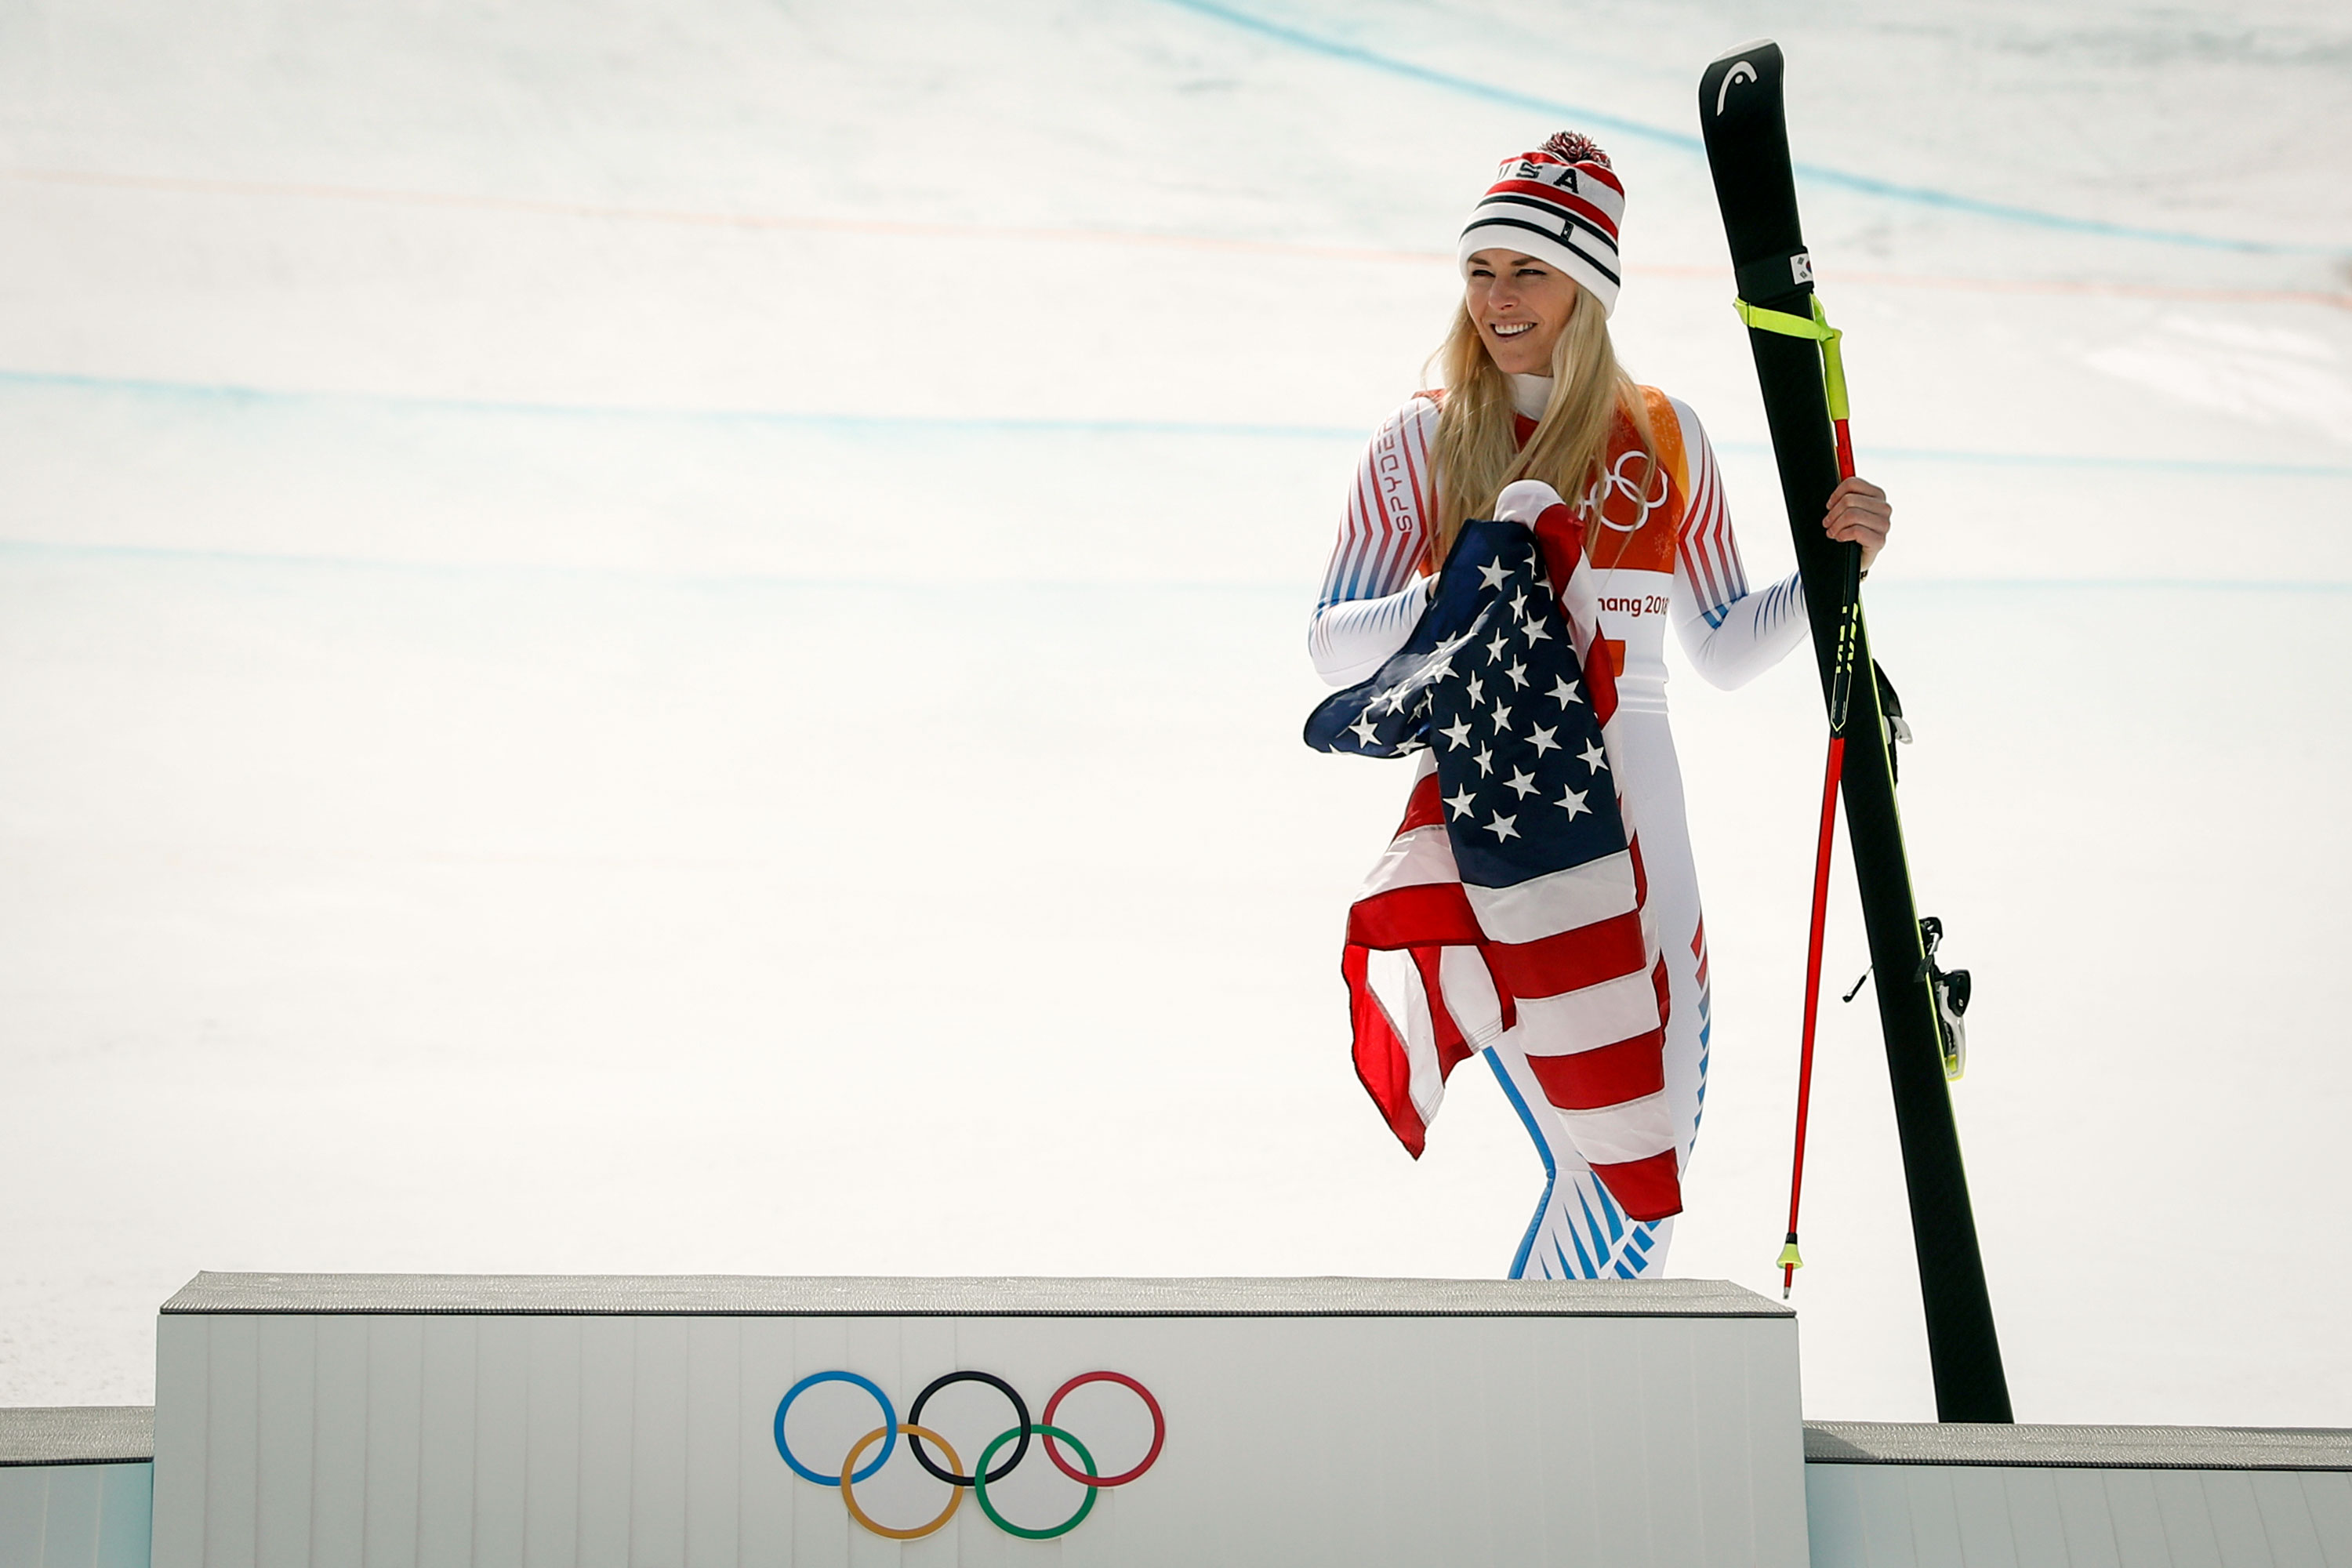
(1685, 140)
(878, 423)
(181, 555)
(963, 424)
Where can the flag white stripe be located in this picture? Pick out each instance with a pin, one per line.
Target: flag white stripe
(1414, 859)
(1470, 995)
(1634, 1129)
(1395, 985)
(1594, 1016)
(1558, 901)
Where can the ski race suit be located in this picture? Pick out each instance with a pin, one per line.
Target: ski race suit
(1662, 550)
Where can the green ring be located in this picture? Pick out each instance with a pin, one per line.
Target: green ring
(980, 1485)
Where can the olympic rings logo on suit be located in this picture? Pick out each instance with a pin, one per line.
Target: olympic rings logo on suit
(1617, 482)
(981, 1476)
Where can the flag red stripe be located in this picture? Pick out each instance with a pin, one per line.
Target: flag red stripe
(1563, 539)
(1426, 914)
(1381, 1064)
(1423, 808)
(1571, 960)
(1451, 1047)
(1604, 1076)
(1600, 680)
(1646, 1188)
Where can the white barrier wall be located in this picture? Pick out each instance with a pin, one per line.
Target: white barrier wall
(537, 1422)
(1893, 1496)
(75, 1484)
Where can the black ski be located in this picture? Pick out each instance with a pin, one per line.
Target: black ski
(1747, 149)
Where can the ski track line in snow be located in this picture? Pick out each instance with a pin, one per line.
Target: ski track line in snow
(791, 222)
(688, 217)
(947, 423)
(1869, 185)
(179, 555)
(950, 587)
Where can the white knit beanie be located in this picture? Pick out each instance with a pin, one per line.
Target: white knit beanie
(1559, 203)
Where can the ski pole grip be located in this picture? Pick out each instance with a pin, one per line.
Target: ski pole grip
(1849, 612)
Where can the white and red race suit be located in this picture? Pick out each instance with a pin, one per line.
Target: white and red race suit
(1659, 537)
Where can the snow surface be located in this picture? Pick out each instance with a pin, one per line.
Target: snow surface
(670, 638)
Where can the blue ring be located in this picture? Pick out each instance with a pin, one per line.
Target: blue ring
(889, 1420)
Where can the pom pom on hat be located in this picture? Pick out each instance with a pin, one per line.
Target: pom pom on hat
(1575, 147)
(1559, 203)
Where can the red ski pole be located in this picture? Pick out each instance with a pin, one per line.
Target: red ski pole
(1841, 686)
(1789, 1261)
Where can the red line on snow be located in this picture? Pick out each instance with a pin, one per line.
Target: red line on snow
(804, 223)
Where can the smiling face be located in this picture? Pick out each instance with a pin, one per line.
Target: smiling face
(1520, 306)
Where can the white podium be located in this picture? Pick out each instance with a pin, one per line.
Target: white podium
(536, 1422)
(75, 1484)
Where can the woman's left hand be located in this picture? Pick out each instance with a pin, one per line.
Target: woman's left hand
(1859, 512)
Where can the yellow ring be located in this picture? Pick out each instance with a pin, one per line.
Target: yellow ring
(849, 1496)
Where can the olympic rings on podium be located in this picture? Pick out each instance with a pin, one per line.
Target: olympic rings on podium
(889, 1425)
(849, 1493)
(1020, 1414)
(981, 1476)
(1159, 1430)
(1067, 1525)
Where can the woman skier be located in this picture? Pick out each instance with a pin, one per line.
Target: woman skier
(1534, 410)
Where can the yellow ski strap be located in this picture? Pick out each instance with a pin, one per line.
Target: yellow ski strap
(1819, 330)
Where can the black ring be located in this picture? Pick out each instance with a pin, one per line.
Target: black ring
(1020, 1409)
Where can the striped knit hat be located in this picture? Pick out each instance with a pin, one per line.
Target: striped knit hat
(1559, 203)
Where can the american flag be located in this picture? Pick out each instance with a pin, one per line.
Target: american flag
(1508, 910)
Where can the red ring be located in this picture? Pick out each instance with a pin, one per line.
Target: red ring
(1159, 1428)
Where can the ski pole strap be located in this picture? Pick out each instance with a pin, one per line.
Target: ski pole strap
(1819, 330)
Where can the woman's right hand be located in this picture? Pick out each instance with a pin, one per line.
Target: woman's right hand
(1859, 513)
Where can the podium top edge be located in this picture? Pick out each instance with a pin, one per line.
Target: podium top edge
(76, 1435)
(2074, 1448)
(849, 1296)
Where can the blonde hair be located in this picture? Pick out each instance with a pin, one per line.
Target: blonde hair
(1477, 451)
